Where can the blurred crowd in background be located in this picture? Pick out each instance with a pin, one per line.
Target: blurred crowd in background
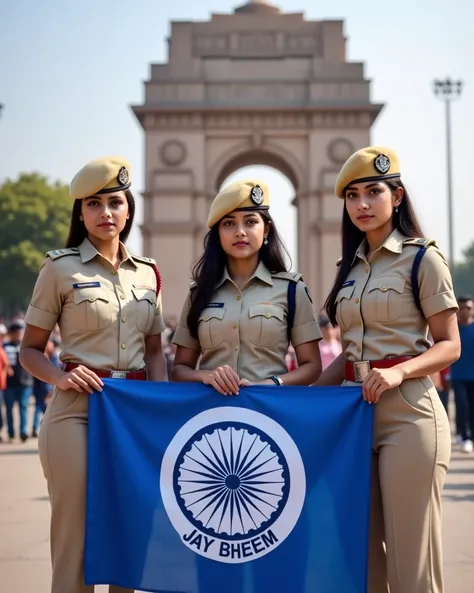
(455, 385)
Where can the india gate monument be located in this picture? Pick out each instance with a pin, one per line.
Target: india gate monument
(257, 86)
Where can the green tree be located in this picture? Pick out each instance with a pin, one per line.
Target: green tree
(463, 273)
(34, 218)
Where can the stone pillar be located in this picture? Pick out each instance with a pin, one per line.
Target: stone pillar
(175, 210)
(222, 101)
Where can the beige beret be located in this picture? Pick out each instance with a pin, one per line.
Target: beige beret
(240, 195)
(104, 175)
(373, 163)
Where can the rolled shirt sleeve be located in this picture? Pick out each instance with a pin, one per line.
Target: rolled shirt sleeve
(305, 327)
(46, 301)
(435, 284)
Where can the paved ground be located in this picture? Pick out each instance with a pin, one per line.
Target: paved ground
(24, 516)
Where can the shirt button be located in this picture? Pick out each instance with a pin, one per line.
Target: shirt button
(236, 348)
(238, 297)
(114, 273)
(206, 318)
(124, 346)
(91, 298)
(124, 319)
(384, 289)
(122, 297)
(267, 315)
(234, 326)
(366, 270)
(357, 300)
(359, 323)
(359, 349)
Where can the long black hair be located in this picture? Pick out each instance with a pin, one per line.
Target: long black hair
(77, 228)
(404, 220)
(210, 267)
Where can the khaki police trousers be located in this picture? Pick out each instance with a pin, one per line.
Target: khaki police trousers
(411, 453)
(63, 454)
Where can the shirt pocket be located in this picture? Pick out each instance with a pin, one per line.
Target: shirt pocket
(145, 306)
(211, 329)
(92, 308)
(267, 326)
(343, 307)
(386, 298)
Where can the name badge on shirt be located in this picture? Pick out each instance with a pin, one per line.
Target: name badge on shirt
(216, 305)
(348, 283)
(86, 285)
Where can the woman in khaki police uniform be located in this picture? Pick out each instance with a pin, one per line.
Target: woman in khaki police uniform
(107, 304)
(235, 318)
(386, 349)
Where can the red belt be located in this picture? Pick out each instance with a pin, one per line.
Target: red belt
(139, 375)
(357, 371)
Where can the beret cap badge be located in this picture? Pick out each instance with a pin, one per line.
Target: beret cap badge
(123, 176)
(382, 163)
(256, 195)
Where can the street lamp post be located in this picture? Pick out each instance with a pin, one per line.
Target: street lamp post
(448, 90)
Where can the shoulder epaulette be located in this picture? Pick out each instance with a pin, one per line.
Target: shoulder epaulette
(339, 261)
(420, 242)
(57, 253)
(150, 262)
(291, 276)
(144, 260)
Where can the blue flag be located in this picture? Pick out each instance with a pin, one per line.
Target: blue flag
(192, 492)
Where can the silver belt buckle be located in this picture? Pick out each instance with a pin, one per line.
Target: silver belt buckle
(361, 370)
(118, 374)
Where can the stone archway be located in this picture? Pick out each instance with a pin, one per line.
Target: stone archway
(247, 154)
(254, 87)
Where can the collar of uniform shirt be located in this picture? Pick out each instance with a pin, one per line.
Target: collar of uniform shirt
(394, 243)
(88, 252)
(261, 273)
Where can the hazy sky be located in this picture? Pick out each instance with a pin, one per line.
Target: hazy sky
(70, 70)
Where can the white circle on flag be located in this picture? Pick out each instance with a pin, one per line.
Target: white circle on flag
(233, 484)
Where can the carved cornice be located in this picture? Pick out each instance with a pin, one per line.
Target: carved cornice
(260, 44)
(251, 118)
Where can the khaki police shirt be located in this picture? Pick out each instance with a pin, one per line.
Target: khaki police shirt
(104, 314)
(247, 328)
(376, 310)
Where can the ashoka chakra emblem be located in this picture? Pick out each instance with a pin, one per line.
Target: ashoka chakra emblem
(231, 480)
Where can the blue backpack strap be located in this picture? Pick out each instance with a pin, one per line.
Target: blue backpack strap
(423, 245)
(414, 277)
(291, 307)
(293, 278)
